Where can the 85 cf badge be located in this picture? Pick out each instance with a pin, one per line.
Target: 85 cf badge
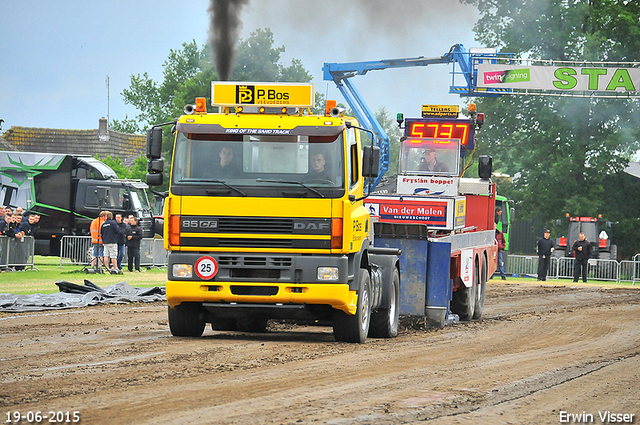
(206, 267)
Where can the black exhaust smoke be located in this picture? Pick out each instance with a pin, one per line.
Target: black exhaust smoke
(223, 33)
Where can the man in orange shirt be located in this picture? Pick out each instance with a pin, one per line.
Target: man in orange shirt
(96, 240)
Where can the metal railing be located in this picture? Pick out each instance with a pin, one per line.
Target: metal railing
(78, 250)
(17, 253)
(562, 268)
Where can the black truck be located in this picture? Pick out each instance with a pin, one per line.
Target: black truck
(68, 191)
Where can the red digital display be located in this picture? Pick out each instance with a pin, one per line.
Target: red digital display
(453, 129)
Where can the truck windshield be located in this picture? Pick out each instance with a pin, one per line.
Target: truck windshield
(258, 161)
(430, 156)
(139, 199)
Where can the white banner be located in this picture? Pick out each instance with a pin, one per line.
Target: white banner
(559, 78)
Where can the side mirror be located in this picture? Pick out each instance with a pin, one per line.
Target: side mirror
(155, 166)
(485, 166)
(154, 179)
(154, 143)
(371, 161)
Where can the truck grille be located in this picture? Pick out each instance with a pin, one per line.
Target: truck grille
(254, 225)
(238, 261)
(228, 232)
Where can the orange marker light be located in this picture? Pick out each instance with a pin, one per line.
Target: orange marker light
(201, 105)
(330, 104)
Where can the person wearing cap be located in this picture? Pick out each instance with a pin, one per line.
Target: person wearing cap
(431, 163)
(545, 248)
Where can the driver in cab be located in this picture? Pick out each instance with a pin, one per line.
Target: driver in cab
(430, 163)
(318, 170)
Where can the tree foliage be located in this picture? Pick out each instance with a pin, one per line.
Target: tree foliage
(560, 150)
(137, 171)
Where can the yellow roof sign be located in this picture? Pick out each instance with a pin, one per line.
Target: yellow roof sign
(226, 93)
(451, 111)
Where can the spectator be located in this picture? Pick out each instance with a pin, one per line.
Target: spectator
(96, 241)
(121, 240)
(501, 246)
(582, 252)
(11, 227)
(545, 248)
(134, 236)
(29, 224)
(110, 231)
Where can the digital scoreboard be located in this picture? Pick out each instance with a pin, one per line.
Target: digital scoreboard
(441, 128)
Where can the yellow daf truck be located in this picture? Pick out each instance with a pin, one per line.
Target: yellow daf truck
(265, 219)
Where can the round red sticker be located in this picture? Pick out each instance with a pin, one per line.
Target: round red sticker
(206, 267)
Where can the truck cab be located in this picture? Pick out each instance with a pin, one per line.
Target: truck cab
(265, 219)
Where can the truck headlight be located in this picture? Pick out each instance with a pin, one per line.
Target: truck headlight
(328, 273)
(182, 270)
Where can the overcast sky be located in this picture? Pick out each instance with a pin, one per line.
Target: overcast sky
(55, 56)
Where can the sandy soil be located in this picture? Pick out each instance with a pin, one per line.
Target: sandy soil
(540, 352)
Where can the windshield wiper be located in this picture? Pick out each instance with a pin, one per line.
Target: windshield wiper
(216, 181)
(291, 182)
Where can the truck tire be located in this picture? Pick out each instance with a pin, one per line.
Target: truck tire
(186, 319)
(464, 299)
(480, 292)
(384, 322)
(355, 328)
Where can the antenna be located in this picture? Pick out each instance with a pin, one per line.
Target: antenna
(107, 83)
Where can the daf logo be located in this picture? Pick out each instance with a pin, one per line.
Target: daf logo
(311, 226)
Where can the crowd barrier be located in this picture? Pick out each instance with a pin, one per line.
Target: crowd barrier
(562, 268)
(78, 250)
(16, 253)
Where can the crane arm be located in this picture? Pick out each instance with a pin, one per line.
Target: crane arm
(340, 74)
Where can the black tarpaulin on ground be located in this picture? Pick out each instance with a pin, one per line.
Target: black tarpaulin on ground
(72, 295)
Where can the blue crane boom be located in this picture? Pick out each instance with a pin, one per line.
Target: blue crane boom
(340, 74)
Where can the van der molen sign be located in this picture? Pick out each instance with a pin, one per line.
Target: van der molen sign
(560, 78)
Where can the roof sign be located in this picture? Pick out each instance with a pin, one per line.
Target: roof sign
(225, 93)
(450, 111)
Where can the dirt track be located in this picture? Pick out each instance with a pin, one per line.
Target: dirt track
(539, 351)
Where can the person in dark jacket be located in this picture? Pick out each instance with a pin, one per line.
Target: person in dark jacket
(545, 248)
(110, 231)
(134, 236)
(121, 239)
(29, 224)
(582, 252)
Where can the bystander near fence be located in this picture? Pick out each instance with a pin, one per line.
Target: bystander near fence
(16, 253)
(77, 250)
(562, 268)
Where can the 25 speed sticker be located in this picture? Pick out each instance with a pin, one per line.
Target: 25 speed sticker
(206, 267)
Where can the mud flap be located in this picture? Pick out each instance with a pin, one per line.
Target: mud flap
(439, 286)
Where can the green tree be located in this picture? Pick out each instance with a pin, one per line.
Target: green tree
(390, 126)
(188, 74)
(560, 150)
(137, 171)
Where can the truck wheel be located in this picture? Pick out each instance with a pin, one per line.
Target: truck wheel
(464, 299)
(186, 319)
(348, 328)
(384, 322)
(252, 324)
(480, 291)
